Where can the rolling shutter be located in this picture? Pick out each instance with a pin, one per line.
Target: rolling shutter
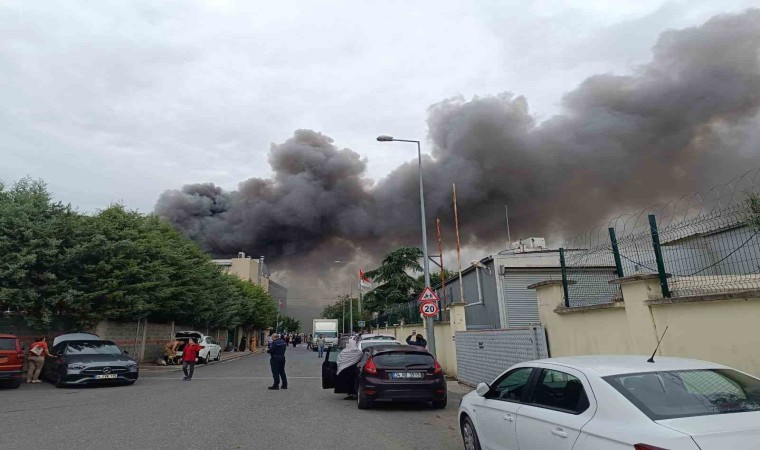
(521, 302)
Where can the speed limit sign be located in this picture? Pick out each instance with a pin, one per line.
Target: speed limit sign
(429, 309)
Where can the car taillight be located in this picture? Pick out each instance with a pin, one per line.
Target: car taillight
(647, 447)
(370, 367)
(438, 369)
(19, 351)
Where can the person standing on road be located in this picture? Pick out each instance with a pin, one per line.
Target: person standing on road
(189, 353)
(320, 342)
(37, 353)
(277, 362)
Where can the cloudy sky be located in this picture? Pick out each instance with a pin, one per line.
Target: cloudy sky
(120, 101)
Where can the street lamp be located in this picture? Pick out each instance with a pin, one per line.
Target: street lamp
(425, 265)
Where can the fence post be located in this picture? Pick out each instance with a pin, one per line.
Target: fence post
(658, 256)
(564, 276)
(616, 253)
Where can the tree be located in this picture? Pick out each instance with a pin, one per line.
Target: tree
(753, 210)
(435, 277)
(35, 271)
(396, 283)
(344, 304)
(290, 324)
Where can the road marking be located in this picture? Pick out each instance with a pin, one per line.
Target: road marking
(231, 378)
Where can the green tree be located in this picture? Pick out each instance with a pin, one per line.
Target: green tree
(435, 277)
(396, 284)
(290, 324)
(35, 271)
(753, 210)
(344, 304)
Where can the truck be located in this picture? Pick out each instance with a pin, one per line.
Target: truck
(328, 328)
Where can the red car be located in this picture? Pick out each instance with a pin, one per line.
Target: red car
(11, 360)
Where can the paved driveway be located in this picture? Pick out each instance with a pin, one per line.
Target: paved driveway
(226, 405)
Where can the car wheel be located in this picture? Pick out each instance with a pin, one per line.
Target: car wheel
(60, 378)
(361, 400)
(441, 404)
(469, 435)
(15, 384)
(219, 356)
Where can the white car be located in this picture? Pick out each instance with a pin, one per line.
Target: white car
(212, 351)
(614, 403)
(366, 343)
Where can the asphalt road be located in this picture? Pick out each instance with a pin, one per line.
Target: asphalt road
(226, 405)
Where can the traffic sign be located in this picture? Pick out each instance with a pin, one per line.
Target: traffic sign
(429, 309)
(360, 323)
(428, 296)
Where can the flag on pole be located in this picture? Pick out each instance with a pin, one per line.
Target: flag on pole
(364, 281)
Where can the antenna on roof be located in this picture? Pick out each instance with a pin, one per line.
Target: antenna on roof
(651, 359)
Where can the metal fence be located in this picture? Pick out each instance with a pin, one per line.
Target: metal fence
(703, 243)
(409, 312)
(484, 354)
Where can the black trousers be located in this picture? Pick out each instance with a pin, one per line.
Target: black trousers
(277, 363)
(188, 367)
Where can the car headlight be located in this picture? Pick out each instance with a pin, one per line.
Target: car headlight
(77, 366)
(132, 367)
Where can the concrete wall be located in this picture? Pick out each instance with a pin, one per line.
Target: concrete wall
(716, 327)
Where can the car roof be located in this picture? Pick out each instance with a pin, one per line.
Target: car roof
(605, 365)
(90, 341)
(385, 342)
(4, 335)
(79, 336)
(374, 336)
(397, 348)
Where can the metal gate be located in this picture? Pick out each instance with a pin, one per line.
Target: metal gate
(484, 354)
(521, 302)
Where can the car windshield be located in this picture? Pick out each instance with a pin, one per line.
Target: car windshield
(403, 360)
(688, 393)
(92, 348)
(328, 334)
(7, 344)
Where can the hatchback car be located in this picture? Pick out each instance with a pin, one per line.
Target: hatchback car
(77, 361)
(391, 373)
(614, 403)
(11, 360)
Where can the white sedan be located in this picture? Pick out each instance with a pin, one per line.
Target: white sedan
(614, 403)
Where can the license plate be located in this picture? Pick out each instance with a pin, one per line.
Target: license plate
(406, 375)
(105, 377)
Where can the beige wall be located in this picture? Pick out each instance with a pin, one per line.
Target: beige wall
(248, 269)
(714, 328)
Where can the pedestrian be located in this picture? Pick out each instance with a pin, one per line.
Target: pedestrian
(277, 362)
(189, 354)
(308, 342)
(416, 339)
(320, 345)
(37, 353)
(241, 347)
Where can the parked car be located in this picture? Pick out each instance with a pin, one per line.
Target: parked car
(11, 360)
(614, 403)
(377, 337)
(367, 343)
(84, 358)
(390, 373)
(212, 351)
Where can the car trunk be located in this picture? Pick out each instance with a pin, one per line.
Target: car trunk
(404, 366)
(720, 431)
(184, 337)
(11, 356)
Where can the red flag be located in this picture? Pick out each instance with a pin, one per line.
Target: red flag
(364, 281)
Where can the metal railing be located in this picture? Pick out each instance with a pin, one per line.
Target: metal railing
(707, 242)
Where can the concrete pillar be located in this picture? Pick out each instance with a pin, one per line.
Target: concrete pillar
(636, 290)
(144, 338)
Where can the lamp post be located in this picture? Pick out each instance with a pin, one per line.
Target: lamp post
(425, 265)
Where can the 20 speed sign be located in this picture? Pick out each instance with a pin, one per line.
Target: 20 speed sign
(429, 309)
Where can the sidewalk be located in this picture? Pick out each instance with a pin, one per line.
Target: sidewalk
(226, 356)
(457, 390)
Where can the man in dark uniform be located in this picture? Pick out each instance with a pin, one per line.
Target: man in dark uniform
(277, 362)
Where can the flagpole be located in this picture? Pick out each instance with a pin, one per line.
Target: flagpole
(343, 317)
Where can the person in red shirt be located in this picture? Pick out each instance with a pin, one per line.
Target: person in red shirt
(189, 353)
(37, 352)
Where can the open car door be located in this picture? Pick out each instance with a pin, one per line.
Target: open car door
(330, 368)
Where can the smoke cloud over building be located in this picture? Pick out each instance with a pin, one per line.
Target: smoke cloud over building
(685, 121)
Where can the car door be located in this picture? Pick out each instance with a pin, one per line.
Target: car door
(496, 412)
(558, 406)
(329, 368)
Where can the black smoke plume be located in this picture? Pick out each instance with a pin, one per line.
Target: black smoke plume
(685, 121)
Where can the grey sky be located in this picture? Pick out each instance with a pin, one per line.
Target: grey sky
(119, 101)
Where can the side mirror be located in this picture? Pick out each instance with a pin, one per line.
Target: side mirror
(482, 389)
(126, 352)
